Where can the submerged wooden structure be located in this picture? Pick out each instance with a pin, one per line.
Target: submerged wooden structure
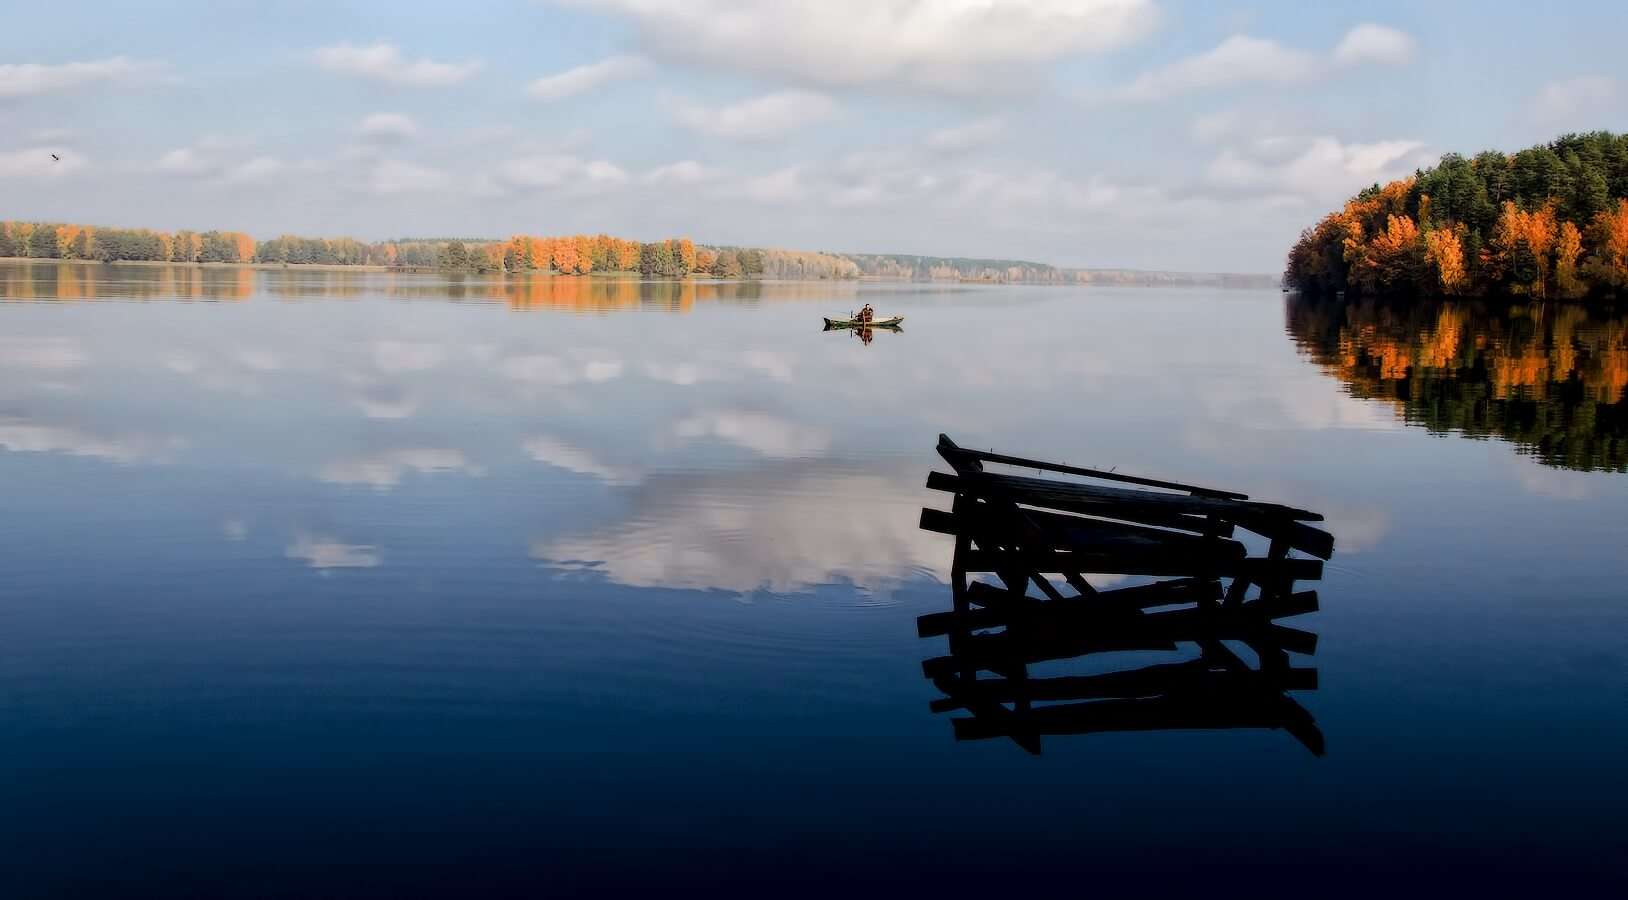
(1200, 585)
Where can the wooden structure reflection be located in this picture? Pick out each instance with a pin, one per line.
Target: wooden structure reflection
(1014, 656)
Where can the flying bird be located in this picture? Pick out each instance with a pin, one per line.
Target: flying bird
(56, 157)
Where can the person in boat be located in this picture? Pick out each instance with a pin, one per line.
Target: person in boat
(866, 314)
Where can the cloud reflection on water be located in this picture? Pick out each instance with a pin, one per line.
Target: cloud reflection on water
(785, 528)
(323, 553)
(24, 436)
(385, 470)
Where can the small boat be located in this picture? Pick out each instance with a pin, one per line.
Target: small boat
(894, 322)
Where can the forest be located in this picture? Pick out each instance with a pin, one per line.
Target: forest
(569, 255)
(1549, 222)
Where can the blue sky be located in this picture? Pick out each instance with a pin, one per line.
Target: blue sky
(1145, 133)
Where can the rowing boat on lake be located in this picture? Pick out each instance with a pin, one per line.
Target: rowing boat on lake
(894, 322)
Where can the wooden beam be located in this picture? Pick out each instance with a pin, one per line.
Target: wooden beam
(1205, 525)
(947, 448)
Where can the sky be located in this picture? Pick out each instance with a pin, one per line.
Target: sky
(1151, 134)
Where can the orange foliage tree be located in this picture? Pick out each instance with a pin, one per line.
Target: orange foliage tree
(1608, 235)
(1523, 246)
(1568, 247)
(1444, 250)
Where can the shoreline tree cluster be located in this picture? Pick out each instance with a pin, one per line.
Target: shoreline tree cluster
(1547, 222)
(566, 255)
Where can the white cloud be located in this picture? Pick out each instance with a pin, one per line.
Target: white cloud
(327, 553)
(53, 135)
(552, 171)
(1378, 44)
(587, 77)
(384, 62)
(387, 128)
(36, 162)
(759, 118)
(1242, 59)
(1239, 59)
(563, 455)
(395, 176)
(940, 45)
(255, 170)
(1575, 99)
(1215, 126)
(1317, 167)
(760, 433)
(385, 470)
(685, 171)
(32, 79)
(780, 186)
(212, 155)
(967, 136)
(185, 161)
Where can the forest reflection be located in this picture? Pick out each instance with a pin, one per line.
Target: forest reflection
(54, 281)
(1549, 378)
(74, 281)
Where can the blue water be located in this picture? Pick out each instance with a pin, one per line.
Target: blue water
(367, 585)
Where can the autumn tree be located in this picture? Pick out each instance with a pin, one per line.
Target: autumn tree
(1444, 252)
(564, 256)
(584, 251)
(1568, 247)
(627, 256)
(1523, 243)
(1608, 236)
(684, 255)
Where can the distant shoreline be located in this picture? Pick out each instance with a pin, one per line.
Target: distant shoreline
(1093, 277)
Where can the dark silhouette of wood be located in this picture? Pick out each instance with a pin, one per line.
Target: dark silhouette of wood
(1012, 532)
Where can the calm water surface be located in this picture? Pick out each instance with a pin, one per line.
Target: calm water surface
(347, 583)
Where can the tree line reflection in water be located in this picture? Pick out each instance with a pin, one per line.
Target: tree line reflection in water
(1549, 378)
(50, 281)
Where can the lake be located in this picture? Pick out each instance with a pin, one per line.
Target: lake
(358, 583)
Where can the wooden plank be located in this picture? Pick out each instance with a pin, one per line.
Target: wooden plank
(1048, 633)
(1151, 564)
(945, 445)
(1085, 526)
(1023, 485)
(1160, 518)
(1148, 681)
(1157, 714)
(1073, 533)
(1162, 593)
